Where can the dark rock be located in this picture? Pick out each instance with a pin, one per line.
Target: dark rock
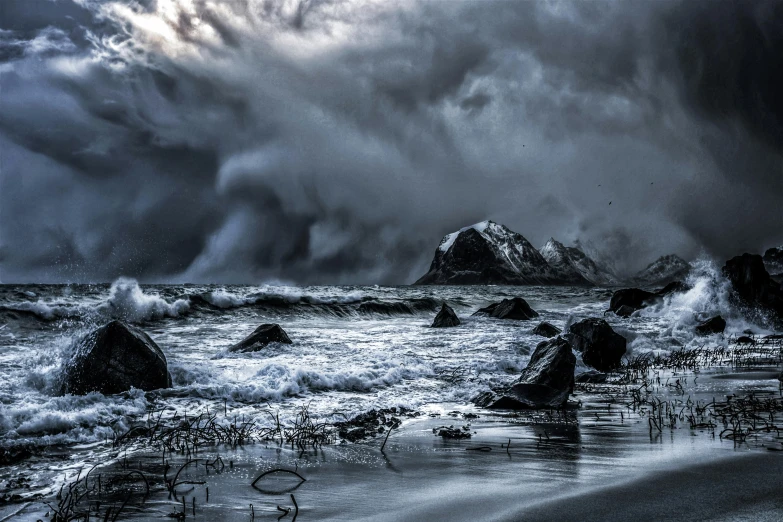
(488, 253)
(675, 287)
(628, 300)
(445, 318)
(744, 339)
(546, 382)
(600, 346)
(545, 329)
(516, 308)
(753, 287)
(591, 377)
(450, 432)
(371, 423)
(113, 359)
(262, 336)
(714, 325)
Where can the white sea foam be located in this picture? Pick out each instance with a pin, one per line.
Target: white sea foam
(128, 301)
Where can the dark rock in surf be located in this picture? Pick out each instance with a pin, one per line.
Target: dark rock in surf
(516, 308)
(545, 329)
(591, 377)
(113, 359)
(753, 288)
(262, 336)
(546, 382)
(744, 339)
(675, 287)
(626, 301)
(446, 318)
(601, 347)
(711, 326)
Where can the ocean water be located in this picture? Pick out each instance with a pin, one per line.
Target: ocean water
(354, 348)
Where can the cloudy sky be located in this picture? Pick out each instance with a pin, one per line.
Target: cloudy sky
(338, 141)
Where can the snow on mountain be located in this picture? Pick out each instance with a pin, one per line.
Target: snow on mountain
(488, 253)
(572, 264)
(663, 270)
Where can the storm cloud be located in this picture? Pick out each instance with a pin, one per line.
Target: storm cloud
(338, 141)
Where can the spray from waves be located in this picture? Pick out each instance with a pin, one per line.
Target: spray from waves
(128, 301)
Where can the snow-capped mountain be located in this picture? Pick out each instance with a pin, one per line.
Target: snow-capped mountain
(570, 263)
(488, 253)
(663, 270)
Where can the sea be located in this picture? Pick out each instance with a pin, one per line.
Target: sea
(355, 348)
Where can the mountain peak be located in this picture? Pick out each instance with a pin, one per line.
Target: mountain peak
(573, 264)
(663, 270)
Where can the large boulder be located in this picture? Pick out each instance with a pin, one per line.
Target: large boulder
(546, 382)
(600, 346)
(516, 308)
(262, 336)
(714, 325)
(545, 329)
(115, 358)
(445, 318)
(628, 300)
(753, 287)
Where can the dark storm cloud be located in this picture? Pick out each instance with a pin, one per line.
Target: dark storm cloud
(338, 141)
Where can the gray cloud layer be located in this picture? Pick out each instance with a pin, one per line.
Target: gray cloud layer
(336, 142)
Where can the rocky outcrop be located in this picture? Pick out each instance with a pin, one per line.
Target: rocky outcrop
(662, 271)
(753, 287)
(601, 347)
(446, 318)
(571, 264)
(487, 253)
(516, 308)
(113, 359)
(628, 300)
(261, 337)
(773, 261)
(711, 326)
(545, 329)
(546, 382)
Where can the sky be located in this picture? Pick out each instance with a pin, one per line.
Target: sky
(336, 142)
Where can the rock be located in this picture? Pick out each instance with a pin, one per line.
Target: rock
(714, 325)
(516, 308)
(113, 359)
(744, 339)
(600, 346)
(545, 329)
(626, 301)
(488, 253)
(262, 336)
(445, 318)
(773, 260)
(591, 377)
(753, 287)
(546, 382)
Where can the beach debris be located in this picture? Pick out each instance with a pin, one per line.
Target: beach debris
(371, 423)
(546, 382)
(113, 359)
(516, 308)
(714, 325)
(446, 318)
(261, 337)
(278, 470)
(601, 347)
(450, 432)
(545, 329)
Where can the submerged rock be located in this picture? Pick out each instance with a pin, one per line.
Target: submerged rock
(591, 377)
(714, 325)
(545, 329)
(601, 347)
(113, 359)
(262, 336)
(516, 308)
(546, 382)
(445, 318)
(753, 287)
